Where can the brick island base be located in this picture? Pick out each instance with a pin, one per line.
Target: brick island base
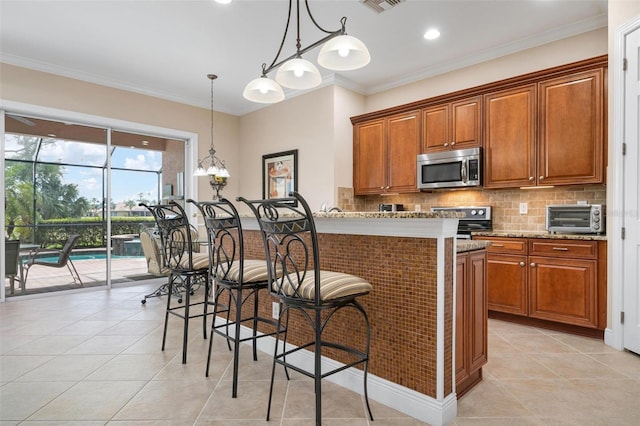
(410, 308)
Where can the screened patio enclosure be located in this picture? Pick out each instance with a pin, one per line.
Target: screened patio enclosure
(63, 179)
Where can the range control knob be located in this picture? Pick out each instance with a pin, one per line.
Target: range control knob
(596, 226)
(596, 213)
(480, 212)
(473, 212)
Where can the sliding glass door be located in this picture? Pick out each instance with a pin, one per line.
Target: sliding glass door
(64, 179)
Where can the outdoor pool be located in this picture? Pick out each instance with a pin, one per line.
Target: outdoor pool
(97, 256)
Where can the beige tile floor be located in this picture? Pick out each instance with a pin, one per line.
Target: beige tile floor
(93, 358)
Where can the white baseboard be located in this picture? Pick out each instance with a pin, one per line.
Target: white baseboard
(611, 339)
(400, 398)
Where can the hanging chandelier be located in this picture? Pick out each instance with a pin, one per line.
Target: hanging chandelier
(211, 165)
(339, 52)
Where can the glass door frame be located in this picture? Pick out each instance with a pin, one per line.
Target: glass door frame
(110, 124)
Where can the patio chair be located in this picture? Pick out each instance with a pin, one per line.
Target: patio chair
(11, 251)
(151, 249)
(63, 259)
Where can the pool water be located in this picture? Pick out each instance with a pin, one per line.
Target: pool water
(75, 257)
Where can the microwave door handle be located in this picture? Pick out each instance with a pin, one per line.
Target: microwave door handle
(463, 170)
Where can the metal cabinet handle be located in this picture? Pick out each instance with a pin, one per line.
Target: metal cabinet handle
(453, 143)
(382, 187)
(531, 178)
(541, 177)
(561, 248)
(533, 265)
(387, 187)
(521, 263)
(497, 245)
(446, 144)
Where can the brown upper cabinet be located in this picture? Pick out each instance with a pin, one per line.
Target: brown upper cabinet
(543, 128)
(510, 137)
(453, 125)
(385, 152)
(568, 146)
(570, 129)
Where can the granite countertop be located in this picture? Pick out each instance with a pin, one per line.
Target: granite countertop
(377, 215)
(471, 245)
(389, 215)
(543, 234)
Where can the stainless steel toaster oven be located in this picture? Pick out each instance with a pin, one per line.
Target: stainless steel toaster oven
(576, 218)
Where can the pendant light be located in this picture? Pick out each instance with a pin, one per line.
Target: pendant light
(339, 52)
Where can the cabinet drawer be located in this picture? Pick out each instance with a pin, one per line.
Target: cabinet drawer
(564, 248)
(506, 245)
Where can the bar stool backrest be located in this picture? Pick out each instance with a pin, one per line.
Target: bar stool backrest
(291, 246)
(176, 236)
(224, 235)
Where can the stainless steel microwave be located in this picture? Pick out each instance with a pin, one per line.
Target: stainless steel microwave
(450, 169)
(576, 218)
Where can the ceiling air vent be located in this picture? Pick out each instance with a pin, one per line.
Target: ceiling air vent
(381, 5)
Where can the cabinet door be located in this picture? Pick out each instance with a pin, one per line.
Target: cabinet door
(466, 123)
(478, 309)
(507, 283)
(402, 150)
(509, 138)
(435, 122)
(455, 125)
(369, 158)
(563, 290)
(463, 295)
(571, 142)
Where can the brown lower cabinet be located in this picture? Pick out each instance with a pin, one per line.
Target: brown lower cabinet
(471, 319)
(556, 281)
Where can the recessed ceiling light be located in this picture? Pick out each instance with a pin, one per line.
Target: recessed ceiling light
(223, 1)
(432, 34)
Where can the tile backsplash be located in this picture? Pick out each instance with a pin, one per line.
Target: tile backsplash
(505, 203)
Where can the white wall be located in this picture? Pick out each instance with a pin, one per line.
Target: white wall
(47, 90)
(305, 123)
(572, 49)
(346, 105)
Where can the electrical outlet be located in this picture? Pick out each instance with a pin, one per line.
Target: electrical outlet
(275, 310)
(524, 208)
(582, 202)
(418, 207)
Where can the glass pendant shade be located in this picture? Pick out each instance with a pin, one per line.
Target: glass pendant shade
(200, 171)
(263, 90)
(213, 170)
(298, 74)
(224, 173)
(344, 53)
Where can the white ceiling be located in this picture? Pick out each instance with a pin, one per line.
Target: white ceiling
(165, 48)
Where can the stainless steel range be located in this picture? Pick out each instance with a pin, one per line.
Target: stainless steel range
(476, 218)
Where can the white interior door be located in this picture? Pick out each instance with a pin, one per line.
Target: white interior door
(631, 161)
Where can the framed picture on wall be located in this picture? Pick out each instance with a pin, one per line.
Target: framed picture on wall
(279, 174)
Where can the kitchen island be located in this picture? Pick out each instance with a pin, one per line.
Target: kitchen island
(409, 259)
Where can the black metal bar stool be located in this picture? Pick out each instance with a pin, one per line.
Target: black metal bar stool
(291, 247)
(180, 254)
(241, 279)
